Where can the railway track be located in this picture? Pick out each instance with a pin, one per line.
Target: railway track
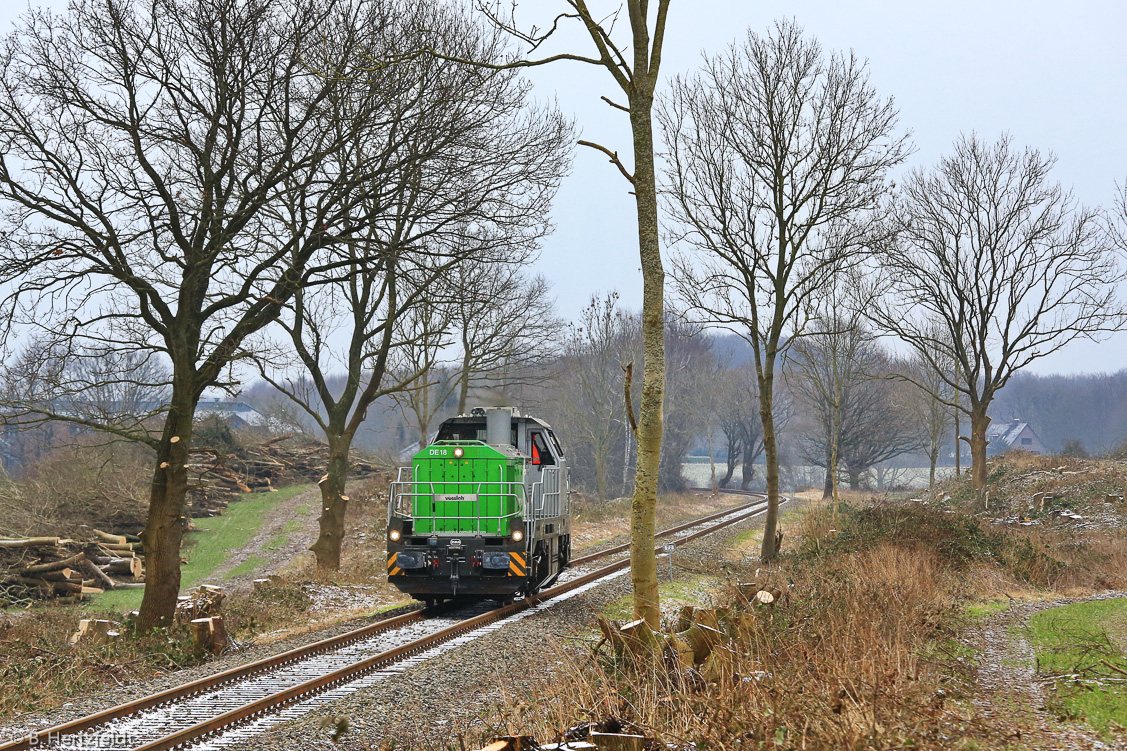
(220, 709)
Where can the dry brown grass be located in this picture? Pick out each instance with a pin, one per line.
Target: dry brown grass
(850, 662)
(40, 670)
(865, 654)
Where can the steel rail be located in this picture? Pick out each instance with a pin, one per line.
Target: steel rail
(232, 675)
(665, 533)
(317, 685)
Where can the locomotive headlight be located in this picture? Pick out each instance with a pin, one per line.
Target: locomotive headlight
(518, 535)
(394, 535)
(459, 452)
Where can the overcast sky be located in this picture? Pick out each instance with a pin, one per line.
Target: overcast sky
(1055, 78)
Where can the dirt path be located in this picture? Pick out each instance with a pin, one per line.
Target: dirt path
(1010, 692)
(288, 530)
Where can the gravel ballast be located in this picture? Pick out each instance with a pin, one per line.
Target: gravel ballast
(456, 692)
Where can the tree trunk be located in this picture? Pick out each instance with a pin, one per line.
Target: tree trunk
(747, 474)
(854, 480)
(601, 475)
(712, 463)
(164, 528)
(958, 441)
(643, 560)
(464, 378)
(835, 440)
(771, 454)
(979, 421)
(733, 459)
(727, 478)
(334, 505)
(828, 486)
(933, 458)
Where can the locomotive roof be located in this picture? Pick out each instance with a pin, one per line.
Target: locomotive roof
(467, 419)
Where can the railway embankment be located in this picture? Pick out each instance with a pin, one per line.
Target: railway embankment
(296, 607)
(959, 619)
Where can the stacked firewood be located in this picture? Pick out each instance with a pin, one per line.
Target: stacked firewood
(53, 567)
(217, 478)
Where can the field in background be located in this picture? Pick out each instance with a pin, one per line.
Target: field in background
(698, 473)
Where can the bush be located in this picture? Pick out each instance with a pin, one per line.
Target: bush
(87, 485)
(855, 658)
(1073, 448)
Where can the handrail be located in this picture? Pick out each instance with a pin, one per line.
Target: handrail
(407, 489)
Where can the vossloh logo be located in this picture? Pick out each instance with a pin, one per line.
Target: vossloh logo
(456, 497)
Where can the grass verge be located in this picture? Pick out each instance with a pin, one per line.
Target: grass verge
(1077, 646)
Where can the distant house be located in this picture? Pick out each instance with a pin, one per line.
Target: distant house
(409, 451)
(1015, 434)
(239, 415)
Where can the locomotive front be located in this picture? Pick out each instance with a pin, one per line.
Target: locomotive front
(482, 512)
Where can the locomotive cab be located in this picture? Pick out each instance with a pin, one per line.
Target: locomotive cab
(483, 512)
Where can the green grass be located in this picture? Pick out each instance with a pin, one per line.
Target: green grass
(250, 565)
(213, 540)
(1077, 640)
(978, 610)
(685, 589)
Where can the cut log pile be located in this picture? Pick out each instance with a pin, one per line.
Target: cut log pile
(52, 567)
(216, 478)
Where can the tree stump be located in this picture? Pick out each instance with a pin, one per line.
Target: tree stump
(678, 653)
(97, 631)
(701, 639)
(210, 634)
(685, 617)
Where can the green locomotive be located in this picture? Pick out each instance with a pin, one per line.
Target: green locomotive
(483, 512)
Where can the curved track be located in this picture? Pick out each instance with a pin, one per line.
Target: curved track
(256, 692)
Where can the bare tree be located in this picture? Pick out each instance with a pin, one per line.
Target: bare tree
(590, 392)
(689, 369)
(776, 155)
(472, 183)
(503, 325)
(876, 423)
(634, 67)
(931, 405)
(858, 413)
(737, 414)
(143, 148)
(995, 267)
(825, 366)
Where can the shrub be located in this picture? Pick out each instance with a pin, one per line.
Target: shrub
(1073, 448)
